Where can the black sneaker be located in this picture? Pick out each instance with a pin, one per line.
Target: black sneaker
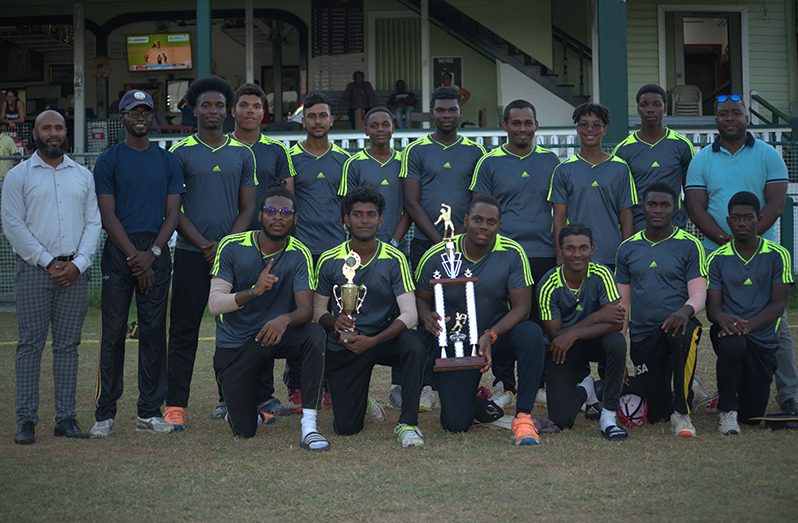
(790, 407)
(69, 428)
(26, 433)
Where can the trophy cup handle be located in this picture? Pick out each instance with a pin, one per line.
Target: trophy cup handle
(361, 297)
(337, 296)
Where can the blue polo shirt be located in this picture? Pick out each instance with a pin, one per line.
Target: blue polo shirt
(723, 174)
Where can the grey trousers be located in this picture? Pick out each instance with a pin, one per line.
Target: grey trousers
(40, 304)
(786, 370)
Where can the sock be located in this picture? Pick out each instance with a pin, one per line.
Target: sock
(590, 388)
(309, 425)
(607, 419)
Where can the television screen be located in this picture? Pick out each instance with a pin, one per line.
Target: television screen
(159, 52)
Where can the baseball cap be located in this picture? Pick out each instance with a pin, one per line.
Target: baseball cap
(134, 98)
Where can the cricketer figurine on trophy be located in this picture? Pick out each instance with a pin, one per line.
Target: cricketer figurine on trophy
(349, 296)
(463, 357)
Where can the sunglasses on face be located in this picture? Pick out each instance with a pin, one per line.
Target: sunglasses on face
(285, 212)
(727, 97)
(589, 125)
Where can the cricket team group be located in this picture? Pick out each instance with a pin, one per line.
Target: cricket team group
(578, 261)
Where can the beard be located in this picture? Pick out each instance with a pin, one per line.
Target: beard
(275, 237)
(52, 151)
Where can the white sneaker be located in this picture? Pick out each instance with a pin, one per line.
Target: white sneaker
(682, 425)
(728, 423)
(102, 429)
(156, 425)
(540, 398)
(502, 398)
(428, 399)
(395, 397)
(409, 435)
(374, 410)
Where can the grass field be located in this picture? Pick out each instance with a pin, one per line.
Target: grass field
(205, 474)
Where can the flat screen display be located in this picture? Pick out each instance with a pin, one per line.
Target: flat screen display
(159, 52)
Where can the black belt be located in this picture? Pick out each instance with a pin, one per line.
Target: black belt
(65, 258)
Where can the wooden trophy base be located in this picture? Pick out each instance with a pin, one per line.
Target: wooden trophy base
(462, 363)
(344, 337)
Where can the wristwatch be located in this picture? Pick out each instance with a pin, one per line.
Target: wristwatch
(156, 251)
(394, 243)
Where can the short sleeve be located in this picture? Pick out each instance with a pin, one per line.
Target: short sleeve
(284, 165)
(547, 303)
(175, 183)
(606, 290)
(411, 164)
(622, 272)
(558, 189)
(348, 177)
(627, 192)
(424, 274)
(301, 277)
(248, 171)
(714, 282)
(695, 174)
(482, 179)
(104, 182)
(774, 165)
(520, 274)
(686, 157)
(223, 263)
(693, 263)
(401, 280)
(324, 282)
(782, 268)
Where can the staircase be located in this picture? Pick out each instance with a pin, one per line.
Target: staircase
(570, 81)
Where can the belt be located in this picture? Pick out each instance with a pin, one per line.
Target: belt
(65, 258)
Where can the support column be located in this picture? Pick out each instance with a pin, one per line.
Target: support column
(277, 69)
(250, 41)
(612, 64)
(426, 77)
(78, 79)
(203, 64)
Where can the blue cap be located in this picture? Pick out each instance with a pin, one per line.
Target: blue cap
(135, 98)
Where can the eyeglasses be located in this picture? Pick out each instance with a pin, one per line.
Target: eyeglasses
(726, 97)
(141, 113)
(595, 126)
(285, 212)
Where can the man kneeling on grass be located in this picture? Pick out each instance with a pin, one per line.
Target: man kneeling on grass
(262, 294)
(379, 332)
(748, 288)
(581, 312)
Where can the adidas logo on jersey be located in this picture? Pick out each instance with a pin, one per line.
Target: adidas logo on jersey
(524, 174)
(594, 184)
(384, 182)
(748, 282)
(447, 165)
(655, 164)
(579, 307)
(217, 169)
(320, 176)
(653, 265)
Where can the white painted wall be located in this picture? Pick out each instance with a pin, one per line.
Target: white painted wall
(552, 111)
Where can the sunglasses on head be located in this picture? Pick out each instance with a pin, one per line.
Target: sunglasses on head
(284, 211)
(728, 97)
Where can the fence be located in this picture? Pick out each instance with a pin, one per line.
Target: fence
(561, 141)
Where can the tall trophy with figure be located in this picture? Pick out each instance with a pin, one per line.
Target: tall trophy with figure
(459, 349)
(349, 296)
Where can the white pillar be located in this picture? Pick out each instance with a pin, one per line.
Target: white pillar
(250, 40)
(79, 25)
(426, 77)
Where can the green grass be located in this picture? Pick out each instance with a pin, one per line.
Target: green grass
(206, 474)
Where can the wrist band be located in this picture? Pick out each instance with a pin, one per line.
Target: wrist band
(493, 335)
(252, 292)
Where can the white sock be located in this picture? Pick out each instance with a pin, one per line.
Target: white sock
(590, 388)
(309, 425)
(607, 419)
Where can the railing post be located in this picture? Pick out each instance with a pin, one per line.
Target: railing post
(788, 226)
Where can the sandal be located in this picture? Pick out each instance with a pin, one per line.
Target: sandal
(314, 437)
(615, 433)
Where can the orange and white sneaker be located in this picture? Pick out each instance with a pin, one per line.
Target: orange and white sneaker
(295, 401)
(175, 416)
(524, 430)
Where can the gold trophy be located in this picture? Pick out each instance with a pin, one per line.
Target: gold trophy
(463, 358)
(349, 297)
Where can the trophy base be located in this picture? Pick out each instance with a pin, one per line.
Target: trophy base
(462, 363)
(346, 336)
